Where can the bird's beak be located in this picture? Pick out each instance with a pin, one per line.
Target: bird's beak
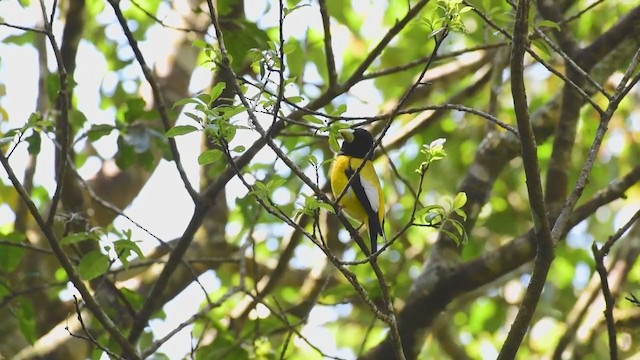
(347, 134)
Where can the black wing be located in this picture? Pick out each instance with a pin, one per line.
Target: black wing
(374, 226)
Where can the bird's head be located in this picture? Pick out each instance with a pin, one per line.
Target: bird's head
(359, 146)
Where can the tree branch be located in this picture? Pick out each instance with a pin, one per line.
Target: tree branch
(544, 249)
(159, 103)
(93, 306)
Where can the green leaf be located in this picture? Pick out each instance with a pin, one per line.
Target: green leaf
(209, 156)
(347, 134)
(459, 228)
(134, 298)
(333, 142)
(288, 11)
(248, 36)
(548, 23)
(199, 43)
(461, 213)
(295, 61)
(275, 183)
(186, 101)
(124, 248)
(460, 200)
(238, 149)
(542, 46)
(295, 99)
(26, 316)
(217, 90)
(339, 110)
(230, 111)
(452, 236)
(34, 142)
(77, 118)
(312, 159)
(180, 130)
(52, 85)
(224, 346)
(93, 264)
(327, 207)
(260, 185)
(24, 37)
(74, 238)
(135, 108)
(10, 256)
(33, 119)
(312, 119)
(99, 130)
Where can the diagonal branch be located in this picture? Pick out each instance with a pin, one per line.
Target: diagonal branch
(65, 262)
(157, 95)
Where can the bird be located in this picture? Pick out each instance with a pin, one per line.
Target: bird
(363, 200)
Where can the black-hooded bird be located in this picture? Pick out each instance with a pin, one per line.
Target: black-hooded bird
(364, 199)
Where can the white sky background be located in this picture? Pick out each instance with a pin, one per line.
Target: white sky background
(167, 215)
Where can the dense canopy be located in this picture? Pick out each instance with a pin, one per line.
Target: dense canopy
(165, 192)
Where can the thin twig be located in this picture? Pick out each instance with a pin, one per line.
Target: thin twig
(583, 178)
(26, 246)
(63, 107)
(609, 301)
(88, 337)
(537, 58)
(424, 59)
(25, 28)
(200, 314)
(161, 22)
(580, 13)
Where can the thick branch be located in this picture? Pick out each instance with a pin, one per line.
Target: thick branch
(544, 248)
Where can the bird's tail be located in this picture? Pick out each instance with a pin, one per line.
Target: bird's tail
(375, 229)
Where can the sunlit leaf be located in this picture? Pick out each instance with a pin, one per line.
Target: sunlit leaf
(180, 130)
(209, 156)
(93, 264)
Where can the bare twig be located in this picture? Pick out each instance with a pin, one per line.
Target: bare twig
(161, 22)
(88, 337)
(599, 254)
(583, 178)
(425, 59)
(63, 106)
(25, 245)
(608, 299)
(25, 28)
(538, 58)
(328, 47)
